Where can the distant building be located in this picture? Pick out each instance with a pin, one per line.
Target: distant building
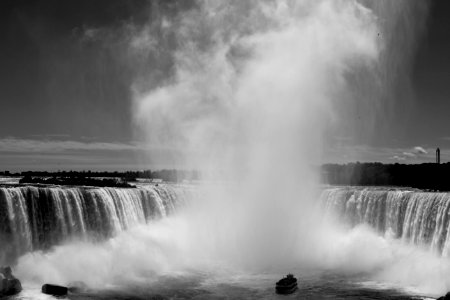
(438, 156)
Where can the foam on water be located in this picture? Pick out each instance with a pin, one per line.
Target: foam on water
(145, 254)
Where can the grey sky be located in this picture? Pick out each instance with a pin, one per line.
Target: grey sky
(66, 79)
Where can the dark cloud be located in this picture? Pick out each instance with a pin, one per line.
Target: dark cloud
(429, 120)
(66, 66)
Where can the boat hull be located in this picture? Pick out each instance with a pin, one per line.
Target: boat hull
(286, 289)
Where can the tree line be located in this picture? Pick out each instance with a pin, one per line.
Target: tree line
(430, 176)
(170, 175)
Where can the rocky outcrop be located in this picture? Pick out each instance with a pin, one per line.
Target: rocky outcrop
(446, 297)
(54, 290)
(9, 285)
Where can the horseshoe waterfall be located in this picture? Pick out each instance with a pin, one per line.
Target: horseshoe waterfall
(413, 216)
(36, 218)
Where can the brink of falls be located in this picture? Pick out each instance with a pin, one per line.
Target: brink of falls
(36, 218)
(416, 217)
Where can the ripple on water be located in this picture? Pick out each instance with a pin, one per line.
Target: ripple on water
(202, 286)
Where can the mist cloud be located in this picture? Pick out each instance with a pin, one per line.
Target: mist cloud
(238, 65)
(252, 90)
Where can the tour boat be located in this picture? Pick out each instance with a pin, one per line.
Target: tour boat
(286, 285)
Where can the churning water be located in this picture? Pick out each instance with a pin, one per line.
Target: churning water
(368, 243)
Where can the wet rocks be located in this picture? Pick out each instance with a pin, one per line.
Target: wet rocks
(55, 290)
(446, 297)
(9, 284)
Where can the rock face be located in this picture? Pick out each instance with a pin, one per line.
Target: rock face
(446, 297)
(55, 290)
(9, 285)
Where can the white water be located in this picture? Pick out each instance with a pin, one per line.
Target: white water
(35, 218)
(144, 254)
(253, 89)
(415, 217)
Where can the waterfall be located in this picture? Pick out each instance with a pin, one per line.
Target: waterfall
(36, 218)
(413, 216)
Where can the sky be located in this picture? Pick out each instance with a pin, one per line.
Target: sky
(67, 74)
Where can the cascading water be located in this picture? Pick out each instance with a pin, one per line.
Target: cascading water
(34, 218)
(413, 216)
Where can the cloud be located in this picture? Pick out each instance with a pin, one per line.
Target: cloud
(12, 144)
(396, 157)
(409, 154)
(420, 150)
(346, 152)
(55, 136)
(50, 154)
(415, 153)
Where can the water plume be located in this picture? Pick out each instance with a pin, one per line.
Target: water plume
(253, 90)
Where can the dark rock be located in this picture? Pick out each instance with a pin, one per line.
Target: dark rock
(446, 297)
(55, 290)
(10, 285)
